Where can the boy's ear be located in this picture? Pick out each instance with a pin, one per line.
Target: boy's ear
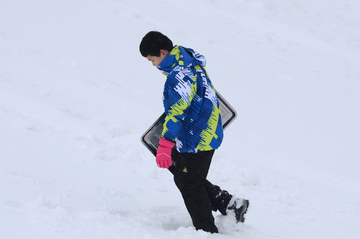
(163, 53)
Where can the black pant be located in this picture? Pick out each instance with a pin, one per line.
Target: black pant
(200, 196)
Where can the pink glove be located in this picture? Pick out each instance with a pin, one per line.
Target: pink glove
(163, 155)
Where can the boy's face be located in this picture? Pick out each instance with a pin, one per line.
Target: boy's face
(156, 60)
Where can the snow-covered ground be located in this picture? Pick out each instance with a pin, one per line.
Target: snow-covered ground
(76, 95)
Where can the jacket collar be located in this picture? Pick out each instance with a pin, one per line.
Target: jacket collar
(180, 57)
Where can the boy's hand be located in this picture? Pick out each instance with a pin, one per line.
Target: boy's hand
(163, 154)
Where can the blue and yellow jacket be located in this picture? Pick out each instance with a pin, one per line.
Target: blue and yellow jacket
(192, 110)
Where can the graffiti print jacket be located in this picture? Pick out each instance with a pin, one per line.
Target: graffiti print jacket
(192, 110)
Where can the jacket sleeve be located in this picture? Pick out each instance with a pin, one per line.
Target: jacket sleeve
(179, 91)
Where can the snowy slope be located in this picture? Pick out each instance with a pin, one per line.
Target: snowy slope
(76, 95)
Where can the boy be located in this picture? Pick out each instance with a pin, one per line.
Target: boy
(192, 130)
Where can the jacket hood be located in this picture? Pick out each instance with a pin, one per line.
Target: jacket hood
(181, 57)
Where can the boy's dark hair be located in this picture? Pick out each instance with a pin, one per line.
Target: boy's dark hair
(153, 42)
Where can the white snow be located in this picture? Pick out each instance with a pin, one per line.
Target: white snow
(76, 95)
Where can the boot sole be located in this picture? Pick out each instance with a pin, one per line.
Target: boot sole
(245, 207)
